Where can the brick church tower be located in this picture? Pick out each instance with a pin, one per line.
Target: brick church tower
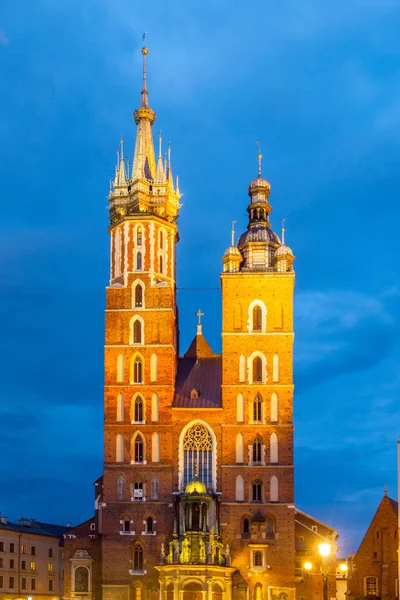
(197, 498)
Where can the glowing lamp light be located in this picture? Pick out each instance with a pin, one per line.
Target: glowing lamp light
(343, 567)
(324, 549)
(29, 597)
(308, 566)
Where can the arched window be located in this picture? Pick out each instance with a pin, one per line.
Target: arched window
(137, 490)
(137, 332)
(242, 369)
(154, 488)
(257, 451)
(139, 236)
(258, 593)
(119, 448)
(138, 296)
(274, 489)
(198, 454)
(138, 558)
(118, 247)
(270, 528)
(137, 370)
(273, 448)
(153, 367)
(371, 586)
(149, 525)
(275, 368)
(121, 487)
(239, 448)
(81, 577)
(155, 447)
(120, 368)
(257, 409)
(274, 408)
(240, 408)
(154, 407)
(257, 318)
(257, 369)
(120, 407)
(239, 491)
(138, 449)
(246, 527)
(139, 261)
(258, 559)
(137, 591)
(257, 491)
(161, 244)
(138, 410)
(161, 265)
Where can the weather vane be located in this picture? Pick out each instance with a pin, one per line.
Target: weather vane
(144, 35)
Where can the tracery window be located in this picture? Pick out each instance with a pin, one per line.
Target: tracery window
(197, 454)
(257, 369)
(138, 296)
(138, 558)
(138, 414)
(257, 409)
(154, 488)
(121, 487)
(137, 332)
(257, 491)
(139, 449)
(137, 490)
(138, 370)
(257, 450)
(257, 318)
(371, 586)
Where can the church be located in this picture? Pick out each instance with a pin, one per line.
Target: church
(196, 500)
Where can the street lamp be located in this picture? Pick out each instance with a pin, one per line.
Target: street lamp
(343, 568)
(325, 551)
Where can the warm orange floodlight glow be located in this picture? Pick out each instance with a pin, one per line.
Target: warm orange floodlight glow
(308, 566)
(324, 549)
(343, 567)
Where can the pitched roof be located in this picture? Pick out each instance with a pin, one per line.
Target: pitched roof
(203, 375)
(199, 348)
(36, 527)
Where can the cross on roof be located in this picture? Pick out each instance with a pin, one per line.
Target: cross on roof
(199, 314)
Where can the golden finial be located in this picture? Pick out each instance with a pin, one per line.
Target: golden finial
(233, 234)
(283, 231)
(259, 156)
(145, 51)
(385, 490)
(160, 144)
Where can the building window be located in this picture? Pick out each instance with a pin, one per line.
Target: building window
(11, 583)
(138, 490)
(81, 579)
(155, 447)
(49, 567)
(275, 368)
(270, 528)
(239, 491)
(274, 407)
(1, 546)
(12, 547)
(138, 449)
(258, 593)
(161, 265)
(137, 332)
(138, 558)
(23, 565)
(257, 318)
(273, 448)
(139, 236)
(257, 491)
(120, 407)
(51, 553)
(138, 296)
(239, 448)
(257, 369)
(149, 525)
(120, 368)
(154, 488)
(12, 563)
(154, 407)
(51, 585)
(137, 370)
(119, 448)
(126, 525)
(197, 454)
(23, 583)
(257, 558)
(371, 585)
(274, 489)
(153, 367)
(257, 409)
(257, 450)
(33, 584)
(246, 527)
(23, 548)
(33, 565)
(139, 261)
(161, 240)
(1, 581)
(240, 408)
(121, 487)
(138, 415)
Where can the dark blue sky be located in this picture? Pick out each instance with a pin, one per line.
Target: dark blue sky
(318, 83)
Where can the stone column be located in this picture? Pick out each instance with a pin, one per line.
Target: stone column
(209, 589)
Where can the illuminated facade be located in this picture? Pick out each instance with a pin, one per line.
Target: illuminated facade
(197, 494)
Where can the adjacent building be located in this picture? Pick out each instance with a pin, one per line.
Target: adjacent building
(31, 560)
(197, 495)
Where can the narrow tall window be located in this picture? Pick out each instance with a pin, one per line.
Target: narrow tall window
(137, 332)
(139, 449)
(270, 528)
(274, 408)
(138, 296)
(257, 409)
(138, 558)
(257, 369)
(257, 450)
(121, 487)
(120, 368)
(258, 593)
(139, 412)
(137, 370)
(161, 265)
(275, 368)
(273, 448)
(240, 408)
(119, 450)
(274, 489)
(154, 407)
(257, 318)
(154, 488)
(161, 240)
(149, 524)
(155, 447)
(239, 448)
(257, 491)
(258, 561)
(153, 367)
(239, 491)
(139, 236)
(120, 407)
(246, 527)
(139, 261)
